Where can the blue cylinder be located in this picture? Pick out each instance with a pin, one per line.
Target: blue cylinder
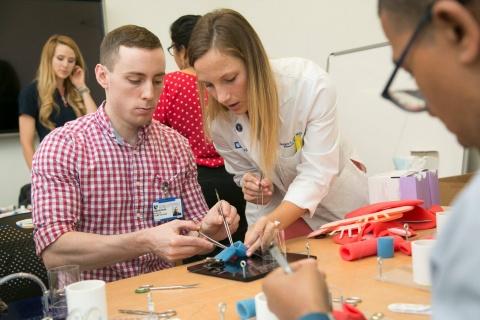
(385, 247)
(246, 308)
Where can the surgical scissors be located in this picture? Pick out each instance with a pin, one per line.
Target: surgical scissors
(147, 287)
(166, 314)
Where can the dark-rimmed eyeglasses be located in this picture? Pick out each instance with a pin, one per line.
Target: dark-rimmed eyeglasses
(408, 99)
(171, 50)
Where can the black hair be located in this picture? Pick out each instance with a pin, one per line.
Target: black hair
(409, 11)
(181, 30)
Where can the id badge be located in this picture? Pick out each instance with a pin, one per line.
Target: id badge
(166, 209)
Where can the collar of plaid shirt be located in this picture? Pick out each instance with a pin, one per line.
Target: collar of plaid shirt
(106, 124)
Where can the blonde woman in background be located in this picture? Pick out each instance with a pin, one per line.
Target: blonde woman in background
(274, 122)
(57, 95)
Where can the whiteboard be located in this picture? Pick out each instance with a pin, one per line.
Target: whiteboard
(378, 129)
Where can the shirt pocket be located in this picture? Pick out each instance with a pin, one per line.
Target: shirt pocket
(167, 186)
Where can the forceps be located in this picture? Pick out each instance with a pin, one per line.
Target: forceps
(148, 287)
(227, 228)
(215, 242)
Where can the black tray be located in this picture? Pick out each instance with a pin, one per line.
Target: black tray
(257, 267)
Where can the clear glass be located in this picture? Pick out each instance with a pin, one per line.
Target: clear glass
(58, 279)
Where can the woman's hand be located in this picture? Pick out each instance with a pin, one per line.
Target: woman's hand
(78, 77)
(261, 235)
(255, 190)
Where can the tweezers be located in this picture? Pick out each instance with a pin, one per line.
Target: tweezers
(227, 228)
(166, 314)
(215, 242)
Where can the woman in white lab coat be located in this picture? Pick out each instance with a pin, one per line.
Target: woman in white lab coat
(274, 122)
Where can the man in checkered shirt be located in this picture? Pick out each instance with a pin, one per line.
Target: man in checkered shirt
(96, 179)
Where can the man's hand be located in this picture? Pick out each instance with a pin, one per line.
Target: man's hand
(291, 296)
(167, 242)
(253, 188)
(212, 223)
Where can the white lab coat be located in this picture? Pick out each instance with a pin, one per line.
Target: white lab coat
(320, 176)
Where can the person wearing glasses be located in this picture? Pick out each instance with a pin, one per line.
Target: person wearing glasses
(179, 108)
(275, 124)
(438, 42)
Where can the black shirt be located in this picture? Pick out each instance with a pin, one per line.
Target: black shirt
(29, 104)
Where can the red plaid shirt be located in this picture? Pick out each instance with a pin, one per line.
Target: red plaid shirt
(85, 178)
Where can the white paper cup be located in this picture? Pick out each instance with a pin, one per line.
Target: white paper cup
(421, 250)
(261, 308)
(442, 218)
(87, 300)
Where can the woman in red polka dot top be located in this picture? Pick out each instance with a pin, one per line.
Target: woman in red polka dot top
(179, 108)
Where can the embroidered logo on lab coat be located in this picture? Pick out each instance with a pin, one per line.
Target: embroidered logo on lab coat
(287, 144)
(237, 145)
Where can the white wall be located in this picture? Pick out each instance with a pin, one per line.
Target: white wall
(14, 172)
(306, 28)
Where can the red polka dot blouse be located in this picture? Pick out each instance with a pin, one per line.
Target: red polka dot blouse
(179, 108)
